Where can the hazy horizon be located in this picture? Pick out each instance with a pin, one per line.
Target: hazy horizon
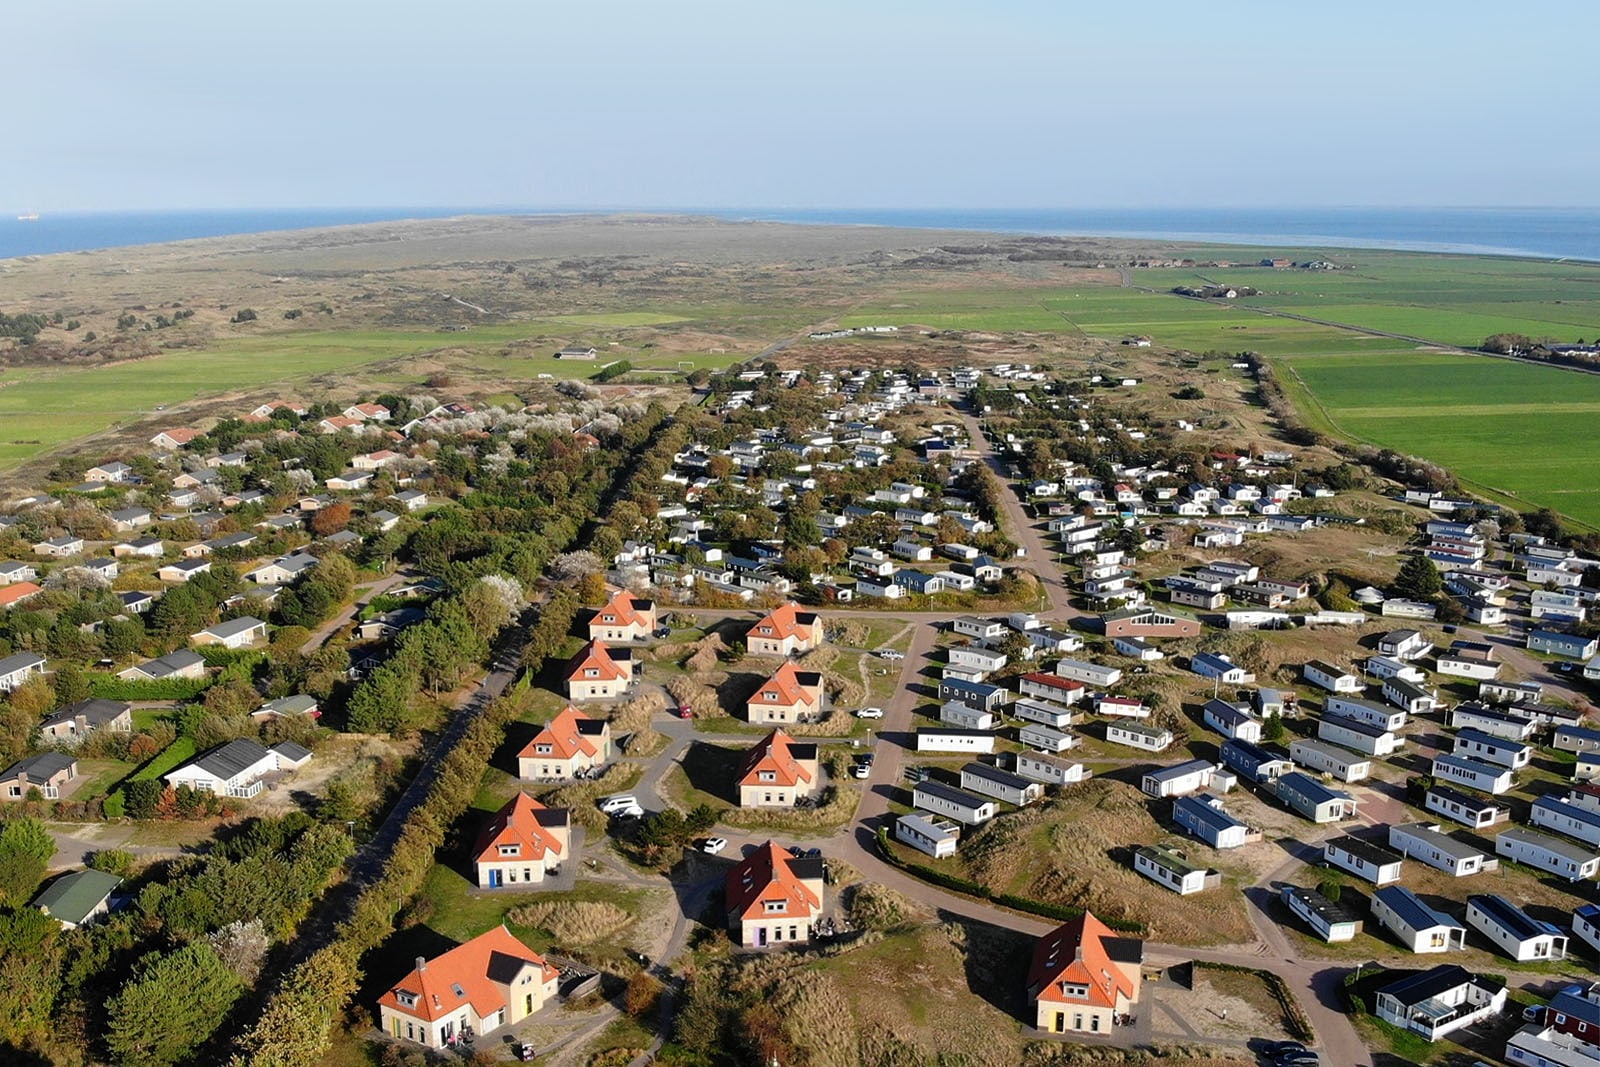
(625, 106)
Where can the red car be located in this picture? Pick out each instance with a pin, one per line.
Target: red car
(685, 711)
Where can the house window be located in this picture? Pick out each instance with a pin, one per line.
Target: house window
(527, 874)
(591, 672)
(510, 850)
(543, 750)
(769, 776)
(774, 905)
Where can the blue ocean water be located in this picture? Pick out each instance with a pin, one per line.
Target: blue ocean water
(1553, 233)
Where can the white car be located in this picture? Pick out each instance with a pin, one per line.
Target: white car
(714, 845)
(862, 770)
(619, 802)
(870, 713)
(890, 654)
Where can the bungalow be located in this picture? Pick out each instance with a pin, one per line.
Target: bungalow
(198, 479)
(624, 618)
(350, 480)
(1203, 816)
(184, 663)
(1149, 621)
(1441, 1001)
(1050, 770)
(1310, 799)
(1490, 749)
(521, 844)
(410, 499)
(1252, 762)
(1083, 977)
(387, 624)
(1170, 868)
(282, 570)
(777, 772)
(1374, 715)
(1465, 808)
(1576, 815)
(1050, 687)
(494, 980)
(15, 593)
(17, 668)
(598, 673)
(361, 412)
(232, 769)
(990, 781)
(1404, 644)
(1230, 720)
(78, 898)
(242, 632)
(76, 721)
(953, 739)
(109, 472)
(1513, 931)
(785, 631)
(1139, 735)
(1218, 667)
(571, 745)
(927, 833)
(1326, 758)
(126, 520)
(1556, 643)
(1333, 679)
(1368, 740)
(1374, 862)
(1329, 921)
(1463, 770)
(48, 772)
(1181, 779)
(59, 547)
(383, 520)
(957, 804)
(1533, 849)
(980, 696)
(297, 706)
(174, 439)
(1428, 844)
(15, 571)
(372, 461)
(183, 570)
(1416, 926)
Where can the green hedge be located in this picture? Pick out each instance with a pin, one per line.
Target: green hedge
(174, 755)
(110, 687)
(222, 656)
(1294, 1019)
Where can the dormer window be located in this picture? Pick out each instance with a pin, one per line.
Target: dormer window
(767, 776)
(543, 749)
(770, 696)
(510, 850)
(774, 906)
(591, 672)
(406, 1000)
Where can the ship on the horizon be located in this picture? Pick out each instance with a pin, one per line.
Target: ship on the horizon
(28, 216)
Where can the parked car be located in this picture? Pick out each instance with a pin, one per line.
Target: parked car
(685, 711)
(618, 802)
(714, 845)
(861, 770)
(890, 654)
(869, 713)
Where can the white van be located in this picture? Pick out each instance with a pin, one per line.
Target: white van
(620, 802)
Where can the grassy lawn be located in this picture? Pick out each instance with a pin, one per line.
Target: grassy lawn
(462, 911)
(97, 776)
(144, 718)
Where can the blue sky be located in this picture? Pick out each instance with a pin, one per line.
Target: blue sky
(187, 104)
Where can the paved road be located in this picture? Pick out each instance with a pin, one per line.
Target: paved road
(333, 625)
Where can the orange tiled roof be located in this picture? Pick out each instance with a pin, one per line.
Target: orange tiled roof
(786, 621)
(340, 422)
(620, 611)
(787, 688)
(182, 435)
(1075, 953)
(595, 654)
(18, 591)
(563, 736)
(472, 968)
(517, 824)
(765, 876)
(772, 753)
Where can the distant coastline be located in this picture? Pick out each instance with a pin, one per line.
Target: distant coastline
(1543, 233)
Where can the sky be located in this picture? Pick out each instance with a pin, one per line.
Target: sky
(184, 104)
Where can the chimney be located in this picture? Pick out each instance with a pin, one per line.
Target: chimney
(422, 963)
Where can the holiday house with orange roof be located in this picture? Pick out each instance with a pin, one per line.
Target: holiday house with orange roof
(494, 980)
(790, 695)
(362, 412)
(599, 673)
(778, 771)
(569, 745)
(1083, 977)
(785, 631)
(522, 842)
(625, 617)
(335, 423)
(773, 898)
(174, 439)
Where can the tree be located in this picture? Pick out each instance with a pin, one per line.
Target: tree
(71, 684)
(30, 973)
(1272, 730)
(331, 519)
(25, 848)
(170, 1006)
(1418, 579)
(244, 315)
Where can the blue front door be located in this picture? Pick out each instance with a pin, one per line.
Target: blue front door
(494, 879)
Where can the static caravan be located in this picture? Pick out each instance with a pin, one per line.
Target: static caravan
(1230, 720)
(989, 781)
(1045, 739)
(1366, 712)
(1327, 758)
(1410, 696)
(1586, 924)
(1310, 799)
(953, 803)
(1204, 817)
(1470, 715)
(926, 833)
(1329, 921)
(1441, 1001)
(976, 658)
(1513, 930)
(1566, 815)
(1042, 686)
(1170, 868)
(1573, 862)
(1416, 926)
(1463, 770)
(955, 713)
(1376, 863)
(1465, 808)
(1138, 735)
(1368, 740)
(1049, 769)
(1045, 714)
(953, 739)
(1179, 780)
(1333, 679)
(1431, 845)
(1501, 751)
(979, 695)
(1576, 739)
(1122, 708)
(1253, 762)
(1088, 673)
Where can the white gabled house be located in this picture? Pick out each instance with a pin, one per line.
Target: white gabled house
(233, 769)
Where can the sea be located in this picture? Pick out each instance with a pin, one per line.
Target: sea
(1545, 233)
